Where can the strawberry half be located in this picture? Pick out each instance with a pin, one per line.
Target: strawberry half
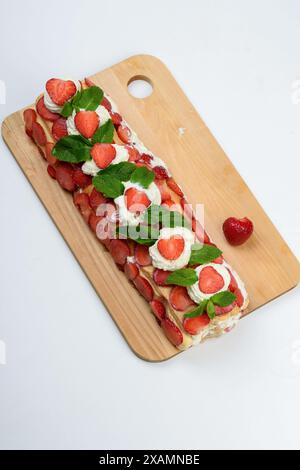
(179, 299)
(160, 276)
(60, 91)
(87, 122)
(195, 325)
(172, 331)
(136, 201)
(210, 281)
(237, 231)
(171, 248)
(103, 154)
(142, 256)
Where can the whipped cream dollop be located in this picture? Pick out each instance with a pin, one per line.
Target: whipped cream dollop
(53, 107)
(103, 118)
(194, 291)
(159, 261)
(131, 218)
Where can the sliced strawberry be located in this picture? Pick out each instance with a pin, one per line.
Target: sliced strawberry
(174, 186)
(172, 331)
(81, 201)
(119, 250)
(96, 199)
(41, 152)
(233, 284)
(106, 103)
(94, 221)
(64, 175)
(158, 308)
(200, 232)
(51, 171)
(49, 157)
(165, 195)
(87, 122)
(179, 298)
(224, 310)
(136, 201)
(89, 82)
(160, 276)
(145, 158)
(239, 297)
(133, 153)
(103, 154)
(142, 256)
(80, 179)
(144, 287)
(116, 118)
(60, 91)
(131, 270)
(59, 128)
(29, 116)
(29, 133)
(210, 281)
(44, 112)
(195, 325)
(171, 248)
(38, 134)
(160, 172)
(171, 205)
(124, 134)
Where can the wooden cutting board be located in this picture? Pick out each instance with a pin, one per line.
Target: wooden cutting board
(265, 263)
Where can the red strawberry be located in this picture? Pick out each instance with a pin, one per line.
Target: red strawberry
(174, 186)
(94, 221)
(80, 179)
(51, 171)
(119, 250)
(224, 310)
(133, 153)
(237, 231)
(179, 299)
(64, 175)
(165, 195)
(172, 331)
(81, 201)
(160, 172)
(106, 103)
(96, 199)
(200, 232)
(233, 284)
(29, 116)
(87, 122)
(171, 248)
(142, 256)
(41, 152)
(171, 205)
(144, 287)
(124, 134)
(195, 325)
(136, 201)
(160, 276)
(145, 158)
(116, 118)
(89, 82)
(210, 281)
(38, 134)
(131, 270)
(103, 154)
(158, 308)
(44, 112)
(239, 297)
(59, 129)
(60, 91)
(49, 157)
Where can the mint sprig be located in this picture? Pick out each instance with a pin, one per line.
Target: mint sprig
(198, 311)
(202, 254)
(182, 277)
(108, 185)
(223, 299)
(158, 214)
(142, 176)
(121, 171)
(72, 149)
(88, 99)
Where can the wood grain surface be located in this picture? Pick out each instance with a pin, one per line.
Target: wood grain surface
(198, 163)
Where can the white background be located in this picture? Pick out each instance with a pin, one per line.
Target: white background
(70, 380)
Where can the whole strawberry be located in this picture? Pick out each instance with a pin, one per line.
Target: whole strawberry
(237, 231)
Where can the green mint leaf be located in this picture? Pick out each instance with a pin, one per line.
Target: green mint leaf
(88, 99)
(210, 308)
(204, 254)
(104, 134)
(72, 149)
(196, 312)
(158, 214)
(67, 109)
(142, 176)
(145, 235)
(122, 171)
(223, 299)
(182, 277)
(147, 241)
(108, 185)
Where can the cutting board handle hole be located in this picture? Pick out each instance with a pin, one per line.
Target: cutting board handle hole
(140, 86)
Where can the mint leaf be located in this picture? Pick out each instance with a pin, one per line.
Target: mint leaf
(88, 99)
(109, 185)
(143, 235)
(142, 176)
(122, 171)
(204, 254)
(182, 277)
(67, 109)
(104, 134)
(159, 214)
(223, 299)
(196, 312)
(210, 309)
(72, 149)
